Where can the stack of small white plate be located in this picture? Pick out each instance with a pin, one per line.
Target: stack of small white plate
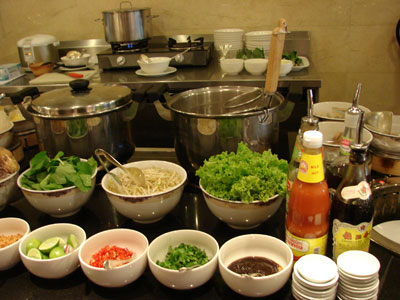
(258, 39)
(314, 277)
(358, 275)
(233, 37)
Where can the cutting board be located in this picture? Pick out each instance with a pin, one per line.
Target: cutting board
(54, 78)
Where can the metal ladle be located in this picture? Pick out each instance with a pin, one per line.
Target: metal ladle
(134, 173)
(113, 263)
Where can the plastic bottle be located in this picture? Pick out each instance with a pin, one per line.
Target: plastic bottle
(308, 122)
(336, 170)
(307, 220)
(352, 207)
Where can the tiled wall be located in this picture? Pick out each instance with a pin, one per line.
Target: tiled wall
(351, 40)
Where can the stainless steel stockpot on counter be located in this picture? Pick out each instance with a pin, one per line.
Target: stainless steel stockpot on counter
(81, 118)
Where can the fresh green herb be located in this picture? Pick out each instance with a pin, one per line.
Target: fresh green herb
(183, 256)
(245, 176)
(297, 61)
(247, 53)
(57, 173)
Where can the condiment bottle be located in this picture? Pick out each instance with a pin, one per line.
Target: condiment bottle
(307, 220)
(308, 122)
(336, 170)
(352, 206)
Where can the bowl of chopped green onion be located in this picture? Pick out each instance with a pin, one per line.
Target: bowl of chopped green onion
(183, 259)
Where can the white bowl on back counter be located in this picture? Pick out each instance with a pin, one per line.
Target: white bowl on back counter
(256, 66)
(231, 66)
(155, 65)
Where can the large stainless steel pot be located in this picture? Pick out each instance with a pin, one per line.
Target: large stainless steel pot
(127, 24)
(80, 119)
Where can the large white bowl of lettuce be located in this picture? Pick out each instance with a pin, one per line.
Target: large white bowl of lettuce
(245, 188)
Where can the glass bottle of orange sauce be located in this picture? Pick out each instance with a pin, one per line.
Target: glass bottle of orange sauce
(307, 221)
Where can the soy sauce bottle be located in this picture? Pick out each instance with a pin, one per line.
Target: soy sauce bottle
(352, 208)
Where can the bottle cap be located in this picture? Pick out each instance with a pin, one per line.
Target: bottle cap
(312, 139)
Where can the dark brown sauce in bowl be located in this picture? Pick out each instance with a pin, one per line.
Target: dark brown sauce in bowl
(256, 266)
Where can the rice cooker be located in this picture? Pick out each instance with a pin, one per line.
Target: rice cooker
(37, 48)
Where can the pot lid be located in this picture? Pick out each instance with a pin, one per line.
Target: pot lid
(37, 40)
(80, 100)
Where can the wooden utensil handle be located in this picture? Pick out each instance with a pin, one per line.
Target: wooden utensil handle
(282, 24)
(274, 60)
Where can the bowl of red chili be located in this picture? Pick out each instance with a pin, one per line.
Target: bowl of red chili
(116, 244)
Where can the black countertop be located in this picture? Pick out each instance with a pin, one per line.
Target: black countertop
(191, 213)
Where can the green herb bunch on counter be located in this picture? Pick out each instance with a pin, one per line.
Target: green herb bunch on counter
(247, 53)
(297, 61)
(47, 173)
(245, 176)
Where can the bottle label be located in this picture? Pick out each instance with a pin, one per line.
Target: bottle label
(360, 191)
(345, 145)
(311, 168)
(302, 246)
(350, 237)
(296, 152)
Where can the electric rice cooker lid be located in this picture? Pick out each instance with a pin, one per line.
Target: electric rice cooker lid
(37, 40)
(80, 100)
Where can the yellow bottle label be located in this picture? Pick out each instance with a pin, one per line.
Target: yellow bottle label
(350, 237)
(311, 168)
(302, 246)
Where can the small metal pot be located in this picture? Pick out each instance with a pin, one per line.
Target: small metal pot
(127, 24)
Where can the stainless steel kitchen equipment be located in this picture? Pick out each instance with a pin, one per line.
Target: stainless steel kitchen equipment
(81, 118)
(125, 55)
(37, 48)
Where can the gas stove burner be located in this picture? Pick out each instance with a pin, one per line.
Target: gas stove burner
(128, 47)
(174, 45)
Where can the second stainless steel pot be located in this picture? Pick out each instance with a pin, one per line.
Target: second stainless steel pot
(127, 24)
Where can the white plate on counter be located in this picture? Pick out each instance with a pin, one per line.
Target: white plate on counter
(387, 234)
(305, 64)
(169, 70)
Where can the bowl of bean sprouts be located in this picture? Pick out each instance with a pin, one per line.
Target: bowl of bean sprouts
(165, 182)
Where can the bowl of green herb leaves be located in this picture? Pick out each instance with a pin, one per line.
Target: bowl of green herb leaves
(245, 188)
(58, 186)
(183, 259)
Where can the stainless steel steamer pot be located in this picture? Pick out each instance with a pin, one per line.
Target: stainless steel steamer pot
(127, 24)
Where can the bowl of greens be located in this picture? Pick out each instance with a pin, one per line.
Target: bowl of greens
(58, 186)
(243, 189)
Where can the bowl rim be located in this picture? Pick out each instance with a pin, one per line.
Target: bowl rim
(137, 258)
(330, 104)
(83, 56)
(50, 191)
(329, 123)
(172, 189)
(236, 275)
(9, 128)
(9, 176)
(28, 230)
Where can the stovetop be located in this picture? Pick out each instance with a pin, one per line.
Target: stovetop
(125, 55)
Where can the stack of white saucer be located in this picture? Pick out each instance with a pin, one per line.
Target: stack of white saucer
(258, 39)
(314, 277)
(358, 276)
(230, 36)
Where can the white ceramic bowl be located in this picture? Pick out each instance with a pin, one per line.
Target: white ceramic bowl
(9, 255)
(286, 67)
(149, 208)
(57, 267)
(232, 66)
(333, 110)
(241, 215)
(121, 275)
(6, 135)
(8, 188)
(255, 245)
(58, 203)
(188, 279)
(156, 66)
(74, 62)
(256, 66)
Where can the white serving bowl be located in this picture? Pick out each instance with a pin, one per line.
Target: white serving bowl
(58, 203)
(255, 245)
(9, 255)
(57, 267)
(156, 66)
(191, 278)
(8, 188)
(121, 275)
(6, 135)
(333, 110)
(286, 67)
(256, 66)
(241, 215)
(74, 62)
(232, 66)
(149, 208)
